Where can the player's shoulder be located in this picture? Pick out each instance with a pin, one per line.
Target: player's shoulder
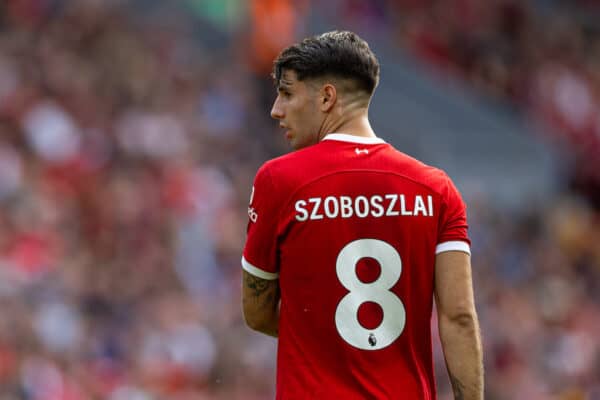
(287, 173)
(288, 164)
(416, 170)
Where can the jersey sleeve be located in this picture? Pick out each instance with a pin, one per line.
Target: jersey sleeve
(260, 251)
(453, 228)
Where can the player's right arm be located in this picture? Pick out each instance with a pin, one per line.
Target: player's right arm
(458, 324)
(260, 283)
(260, 303)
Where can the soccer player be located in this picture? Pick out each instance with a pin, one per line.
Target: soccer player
(349, 240)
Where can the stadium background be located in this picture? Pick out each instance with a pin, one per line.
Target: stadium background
(130, 132)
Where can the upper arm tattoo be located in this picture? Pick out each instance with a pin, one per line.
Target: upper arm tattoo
(260, 302)
(257, 286)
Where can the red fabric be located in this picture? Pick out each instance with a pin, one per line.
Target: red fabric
(315, 358)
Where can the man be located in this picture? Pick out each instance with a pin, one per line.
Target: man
(349, 240)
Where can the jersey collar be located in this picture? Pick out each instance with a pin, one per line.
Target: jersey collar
(344, 137)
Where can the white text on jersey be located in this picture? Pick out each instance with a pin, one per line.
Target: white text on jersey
(252, 214)
(388, 205)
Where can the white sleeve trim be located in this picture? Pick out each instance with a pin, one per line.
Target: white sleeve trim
(456, 245)
(258, 272)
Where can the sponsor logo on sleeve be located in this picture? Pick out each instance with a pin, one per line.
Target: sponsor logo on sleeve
(251, 212)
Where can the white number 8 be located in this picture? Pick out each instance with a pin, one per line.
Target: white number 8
(378, 291)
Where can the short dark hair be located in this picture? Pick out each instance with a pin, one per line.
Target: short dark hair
(341, 54)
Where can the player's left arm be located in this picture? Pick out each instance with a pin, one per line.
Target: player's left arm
(453, 288)
(458, 324)
(260, 302)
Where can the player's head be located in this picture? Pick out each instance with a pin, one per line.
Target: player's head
(320, 80)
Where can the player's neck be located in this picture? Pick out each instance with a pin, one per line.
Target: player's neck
(355, 123)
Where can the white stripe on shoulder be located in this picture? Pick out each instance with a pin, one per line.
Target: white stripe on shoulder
(258, 272)
(344, 137)
(456, 245)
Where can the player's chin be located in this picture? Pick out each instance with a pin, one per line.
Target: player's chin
(298, 144)
(294, 142)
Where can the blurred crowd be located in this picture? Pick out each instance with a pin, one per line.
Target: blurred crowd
(544, 61)
(127, 152)
(126, 158)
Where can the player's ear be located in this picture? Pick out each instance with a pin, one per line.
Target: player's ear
(328, 97)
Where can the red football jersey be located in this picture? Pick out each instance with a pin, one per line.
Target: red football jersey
(350, 227)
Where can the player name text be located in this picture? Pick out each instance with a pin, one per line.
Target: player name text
(377, 206)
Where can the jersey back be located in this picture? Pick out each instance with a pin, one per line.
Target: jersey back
(351, 227)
